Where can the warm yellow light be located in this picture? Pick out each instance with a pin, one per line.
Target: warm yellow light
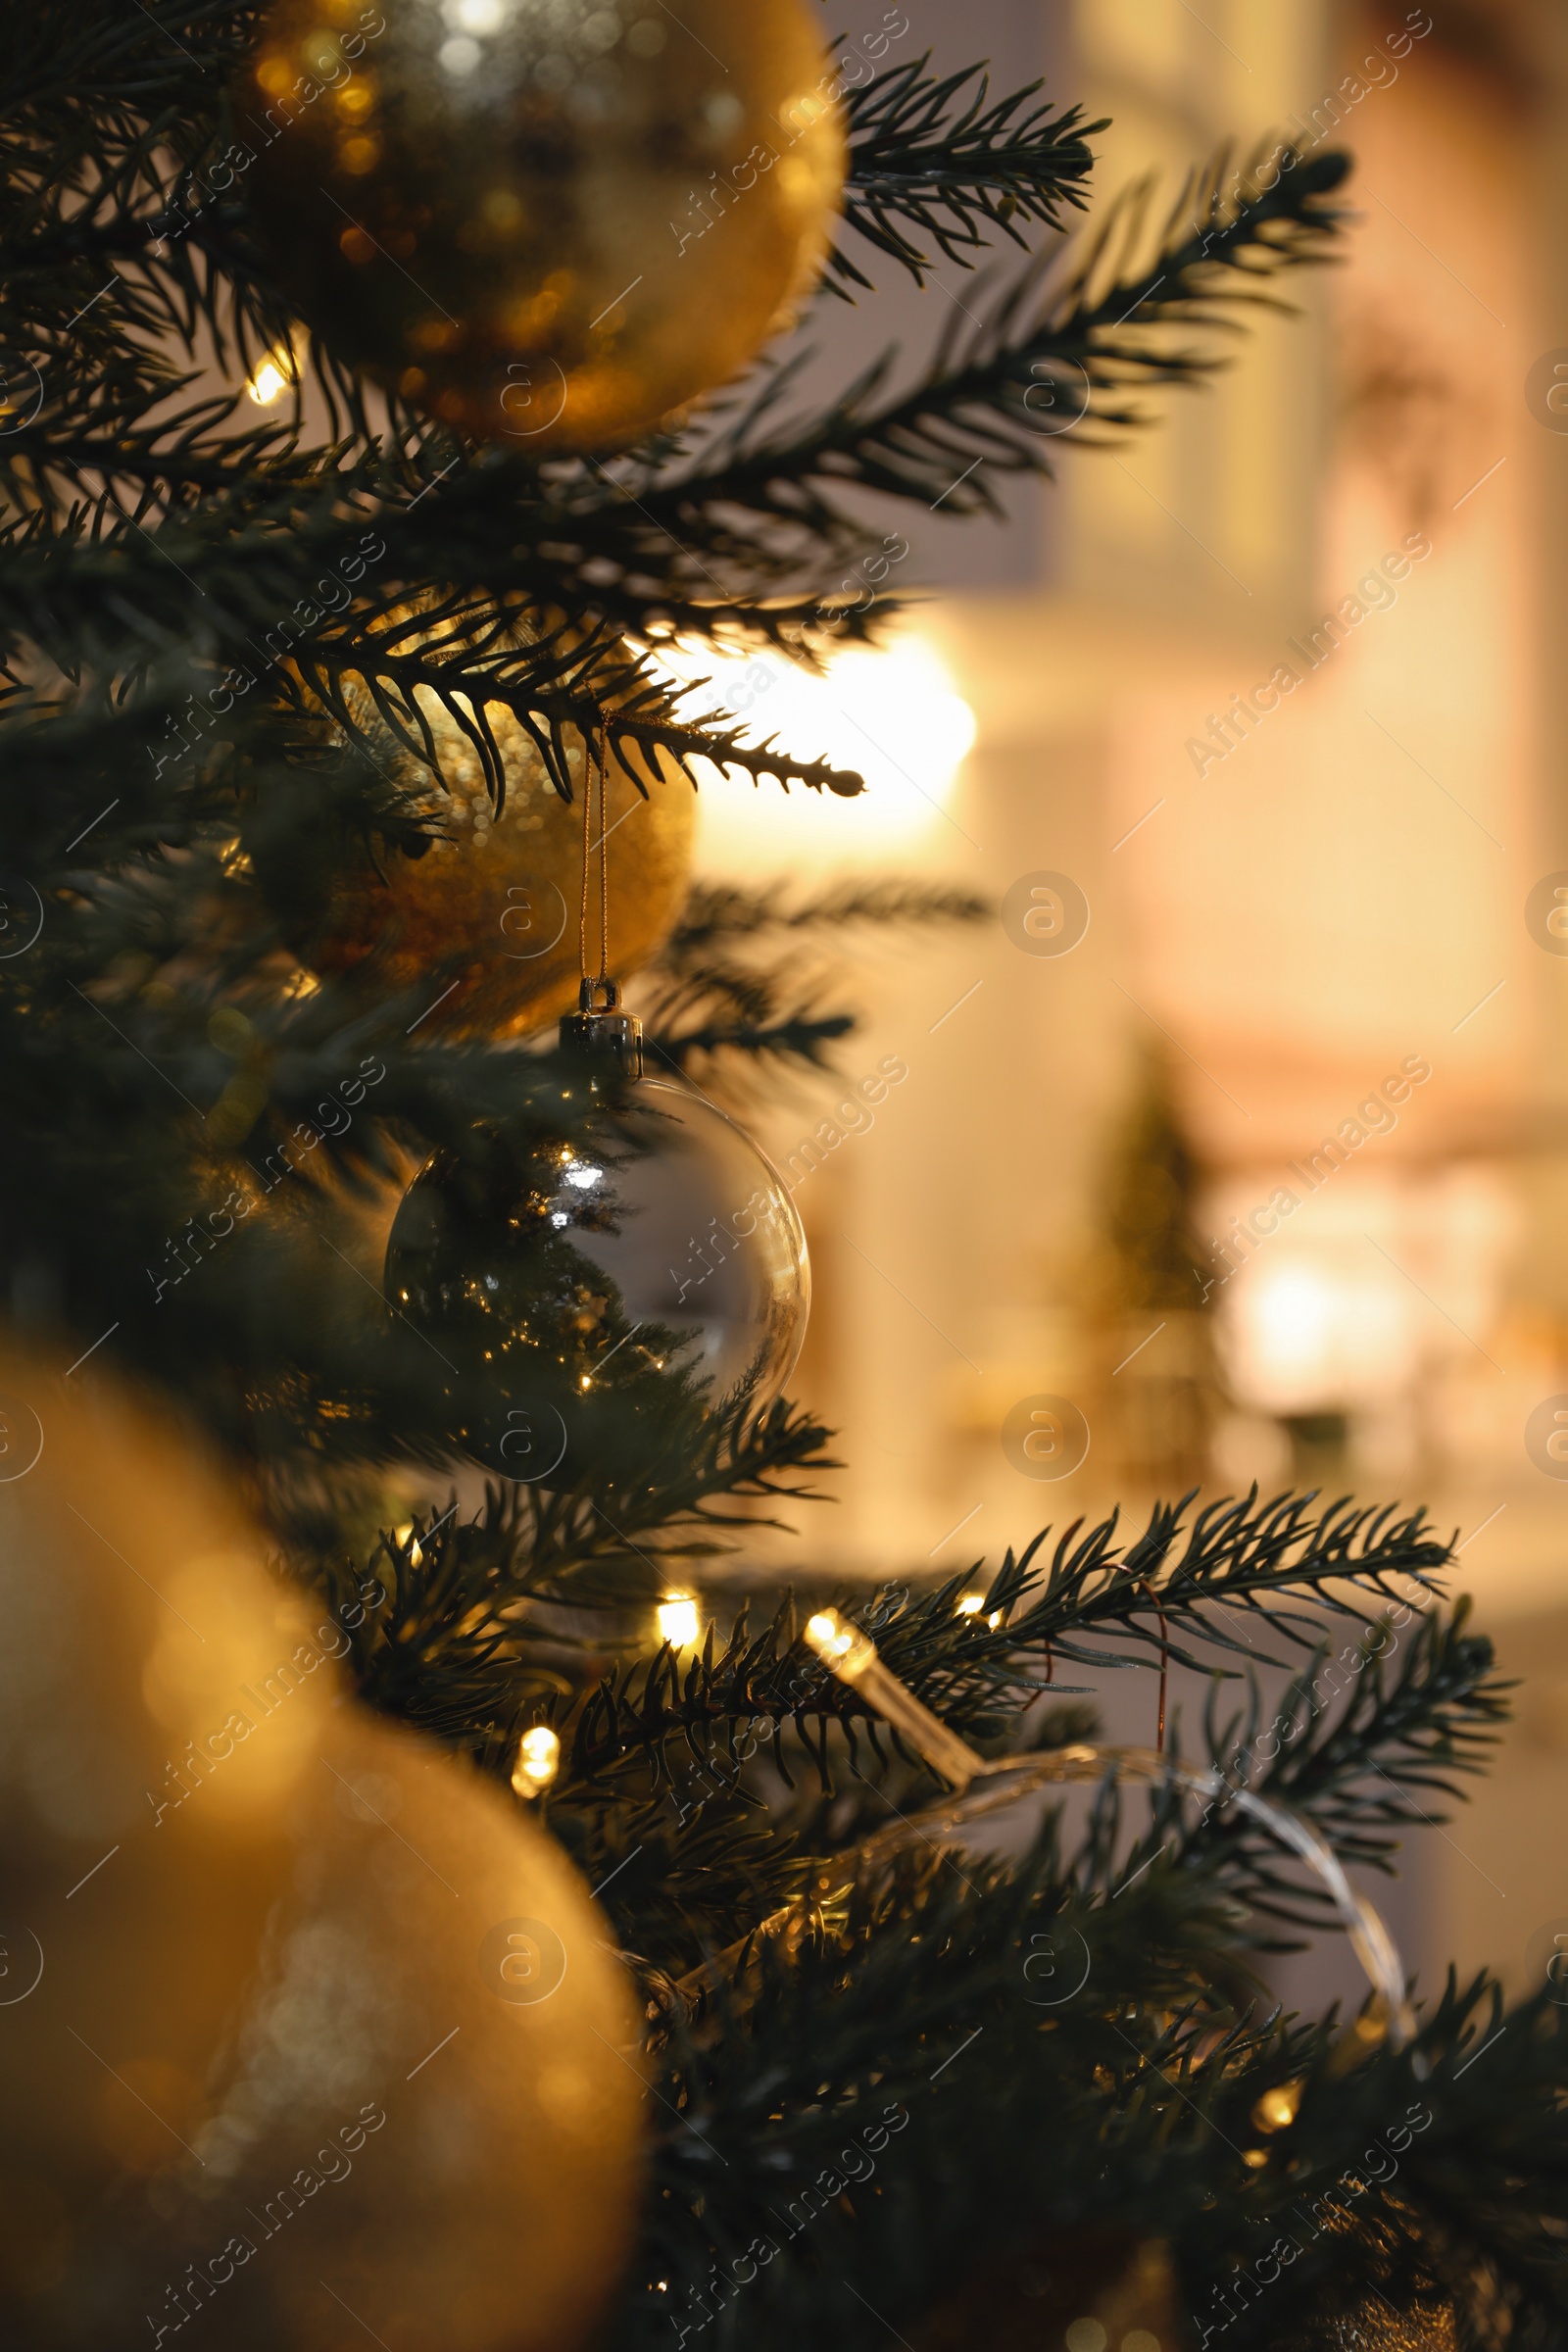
(970, 1604)
(401, 1537)
(829, 1636)
(1277, 2108)
(270, 382)
(1320, 1326)
(678, 1620)
(893, 716)
(538, 1760)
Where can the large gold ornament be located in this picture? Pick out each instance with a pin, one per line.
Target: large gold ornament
(549, 222)
(296, 2018)
(490, 917)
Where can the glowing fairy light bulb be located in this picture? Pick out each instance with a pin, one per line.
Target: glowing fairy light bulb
(829, 1636)
(678, 1620)
(272, 379)
(1275, 2110)
(850, 1654)
(538, 1762)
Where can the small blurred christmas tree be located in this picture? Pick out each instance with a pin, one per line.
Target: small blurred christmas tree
(1153, 1369)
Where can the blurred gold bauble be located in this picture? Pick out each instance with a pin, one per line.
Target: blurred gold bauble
(296, 2018)
(549, 222)
(1081, 2289)
(1427, 2327)
(495, 907)
(1098, 2290)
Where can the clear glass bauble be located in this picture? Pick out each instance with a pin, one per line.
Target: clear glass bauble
(579, 1280)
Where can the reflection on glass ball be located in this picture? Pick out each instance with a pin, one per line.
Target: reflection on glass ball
(698, 1234)
(573, 1282)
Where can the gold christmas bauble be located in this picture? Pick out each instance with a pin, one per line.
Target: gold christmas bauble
(304, 2032)
(490, 915)
(1074, 2288)
(1098, 2290)
(1428, 2325)
(549, 222)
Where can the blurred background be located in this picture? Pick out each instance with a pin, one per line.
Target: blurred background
(1237, 1146)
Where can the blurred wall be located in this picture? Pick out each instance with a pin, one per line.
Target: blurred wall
(1303, 904)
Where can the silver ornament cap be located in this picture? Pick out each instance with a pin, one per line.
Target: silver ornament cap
(595, 1029)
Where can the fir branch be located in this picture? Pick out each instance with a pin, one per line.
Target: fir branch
(1437, 1716)
(720, 913)
(758, 1009)
(928, 154)
(460, 653)
(1173, 1587)
(661, 536)
(1386, 1759)
(919, 2018)
(1440, 2169)
(799, 1038)
(1132, 2104)
(473, 1635)
(992, 400)
(1099, 1605)
(87, 64)
(680, 1868)
(732, 980)
(556, 685)
(703, 1727)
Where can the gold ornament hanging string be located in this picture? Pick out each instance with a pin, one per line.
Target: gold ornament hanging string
(979, 1787)
(588, 848)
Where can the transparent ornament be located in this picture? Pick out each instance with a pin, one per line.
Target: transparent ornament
(577, 1279)
(698, 1235)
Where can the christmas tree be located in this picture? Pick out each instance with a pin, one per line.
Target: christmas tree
(274, 679)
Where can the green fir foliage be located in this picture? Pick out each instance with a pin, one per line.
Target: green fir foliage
(223, 638)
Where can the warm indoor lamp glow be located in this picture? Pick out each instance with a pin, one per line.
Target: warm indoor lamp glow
(678, 1620)
(1321, 1330)
(892, 715)
(538, 1762)
(1294, 1317)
